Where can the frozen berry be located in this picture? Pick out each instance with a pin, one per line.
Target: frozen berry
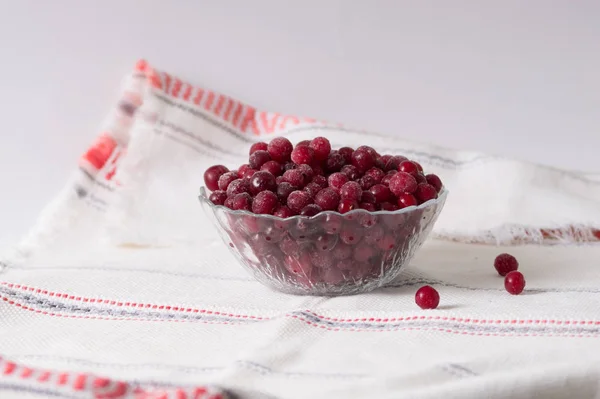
(242, 202)
(303, 143)
(363, 252)
(376, 173)
(368, 149)
(226, 179)
(337, 180)
(351, 172)
(351, 191)
(346, 152)
(243, 168)
(405, 200)
(388, 206)
(283, 212)
(425, 192)
(368, 206)
(297, 200)
(351, 235)
(419, 167)
(238, 186)
(283, 191)
(386, 179)
(318, 170)
(514, 282)
(289, 165)
(265, 203)
(380, 192)
(327, 199)
(402, 182)
(258, 159)
(408, 167)
(435, 181)
(347, 205)
(228, 203)
(310, 210)
(212, 175)
(427, 297)
(333, 224)
(273, 167)
(248, 173)
(341, 251)
(218, 197)
(394, 163)
(321, 181)
(363, 160)
(302, 155)
(260, 146)
(262, 181)
(289, 246)
(321, 148)
(307, 171)
(420, 178)
(366, 182)
(312, 189)
(368, 196)
(294, 177)
(280, 149)
(374, 234)
(505, 263)
(335, 162)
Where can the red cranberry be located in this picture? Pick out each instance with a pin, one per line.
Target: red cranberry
(280, 149)
(303, 143)
(212, 175)
(394, 163)
(420, 178)
(351, 172)
(427, 297)
(289, 166)
(307, 171)
(226, 179)
(366, 182)
(310, 210)
(351, 235)
(370, 150)
(297, 200)
(419, 167)
(218, 197)
(505, 263)
(302, 155)
(408, 167)
(242, 202)
(318, 170)
(337, 180)
(327, 199)
(260, 146)
(386, 243)
(248, 173)
(346, 152)
(237, 187)
(368, 206)
(312, 189)
(386, 179)
(321, 148)
(514, 282)
(435, 181)
(322, 260)
(374, 234)
(289, 247)
(402, 182)
(243, 168)
(363, 252)
(279, 180)
(274, 168)
(363, 160)
(283, 212)
(320, 180)
(333, 224)
(388, 206)
(347, 205)
(384, 159)
(376, 173)
(351, 191)
(228, 203)
(368, 196)
(335, 162)
(405, 200)
(379, 164)
(283, 191)
(262, 181)
(380, 192)
(425, 192)
(341, 251)
(258, 159)
(294, 177)
(265, 203)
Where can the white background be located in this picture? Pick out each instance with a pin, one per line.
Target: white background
(514, 77)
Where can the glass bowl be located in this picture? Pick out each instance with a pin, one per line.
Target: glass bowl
(328, 254)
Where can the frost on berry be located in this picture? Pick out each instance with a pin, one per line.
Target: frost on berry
(425, 192)
(302, 155)
(265, 202)
(297, 200)
(258, 159)
(260, 146)
(337, 180)
(261, 181)
(321, 148)
(218, 197)
(226, 179)
(327, 199)
(280, 149)
(402, 182)
(351, 191)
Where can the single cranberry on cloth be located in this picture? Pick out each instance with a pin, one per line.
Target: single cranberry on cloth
(124, 279)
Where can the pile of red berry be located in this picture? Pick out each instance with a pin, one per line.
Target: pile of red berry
(282, 180)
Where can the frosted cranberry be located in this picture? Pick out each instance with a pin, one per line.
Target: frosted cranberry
(368, 149)
(374, 234)
(332, 276)
(388, 206)
(318, 170)
(341, 251)
(303, 143)
(260, 146)
(212, 175)
(405, 200)
(243, 168)
(298, 266)
(386, 243)
(289, 247)
(386, 180)
(258, 159)
(346, 152)
(242, 202)
(351, 172)
(369, 197)
(335, 162)
(402, 182)
(337, 180)
(385, 158)
(228, 203)
(408, 167)
(363, 252)
(376, 173)
(274, 168)
(427, 297)
(302, 155)
(347, 205)
(366, 182)
(394, 162)
(321, 148)
(283, 191)
(297, 200)
(368, 206)
(420, 178)
(279, 180)
(321, 181)
(226, 179)
(380, 192)
(326, 242)
(379, 164)
(322, 260)
(351, 235)
(327, 199)
(262, 181)
(514, 282)
(333, 224)
(435, 181)
(289, 166)
(351, 191)
(307, 171)
(294, 177)
(283, 212)
(265, 203)
(280, 149)
(425, 192)
(310, 210)
(312, 189)
(237, 187)
(505, 263)
(419, 167)
(218, 197)
(248, 173)
(363, 160)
